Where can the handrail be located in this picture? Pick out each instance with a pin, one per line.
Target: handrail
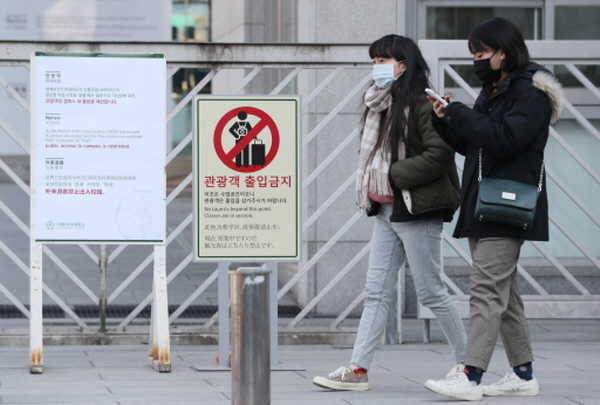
(204, 54)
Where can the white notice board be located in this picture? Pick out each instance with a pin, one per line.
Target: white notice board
(98, 142)
(247, 178)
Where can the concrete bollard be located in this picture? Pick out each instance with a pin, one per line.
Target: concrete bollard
(250, 331)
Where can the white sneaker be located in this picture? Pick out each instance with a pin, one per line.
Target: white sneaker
(511, 385)
(343, 379)
(456, 385)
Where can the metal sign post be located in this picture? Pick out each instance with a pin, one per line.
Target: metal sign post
(224, 317)
(159, 357)
(223, 291)
(36, 359)
(250, 337)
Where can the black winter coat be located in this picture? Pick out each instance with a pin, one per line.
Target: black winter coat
(511, 126)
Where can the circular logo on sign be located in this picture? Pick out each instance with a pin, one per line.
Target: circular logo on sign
(246, 139)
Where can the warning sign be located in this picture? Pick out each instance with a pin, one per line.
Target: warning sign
(247, 178)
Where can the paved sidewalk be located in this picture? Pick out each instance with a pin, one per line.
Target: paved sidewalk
(567, 356)
(568, 373)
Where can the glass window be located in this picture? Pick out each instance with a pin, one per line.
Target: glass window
(288, 19)
(566, 78)
(190, 20)
(577, 23)
(457, 22)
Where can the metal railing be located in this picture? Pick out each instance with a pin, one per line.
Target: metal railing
(328, 284)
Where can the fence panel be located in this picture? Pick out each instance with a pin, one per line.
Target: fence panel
(323, 293)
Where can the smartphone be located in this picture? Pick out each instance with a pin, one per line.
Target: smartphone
(436, 96)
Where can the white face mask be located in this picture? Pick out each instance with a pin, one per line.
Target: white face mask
(383, 74)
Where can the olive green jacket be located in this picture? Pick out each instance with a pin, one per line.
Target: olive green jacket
(426, 179)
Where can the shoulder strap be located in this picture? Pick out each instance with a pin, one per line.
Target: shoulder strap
(540, 182)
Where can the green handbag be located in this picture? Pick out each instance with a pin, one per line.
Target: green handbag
(506, 201)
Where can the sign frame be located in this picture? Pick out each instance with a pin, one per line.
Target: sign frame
(226, 104)
(159, 353)
(160, 142)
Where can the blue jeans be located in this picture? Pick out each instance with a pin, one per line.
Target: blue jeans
(419, 242)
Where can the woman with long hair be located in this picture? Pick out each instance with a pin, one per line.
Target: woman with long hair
(407, 180)
(502, 137)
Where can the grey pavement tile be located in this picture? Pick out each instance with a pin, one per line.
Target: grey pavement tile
(198, 389)
(220, 380)
(119, 375)
(131, 378)
(175, 397)
(116, 399)
(73, 388)
(58, 401)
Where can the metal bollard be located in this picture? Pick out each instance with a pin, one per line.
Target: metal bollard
(250, 343)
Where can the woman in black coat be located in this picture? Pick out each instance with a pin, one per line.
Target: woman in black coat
(502, 137)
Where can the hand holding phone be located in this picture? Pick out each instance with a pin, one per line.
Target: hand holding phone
(433, 94)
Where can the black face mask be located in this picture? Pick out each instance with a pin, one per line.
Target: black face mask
(484, 70)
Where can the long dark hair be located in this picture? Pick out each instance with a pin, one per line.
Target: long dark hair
(405, 90)
(499, 33)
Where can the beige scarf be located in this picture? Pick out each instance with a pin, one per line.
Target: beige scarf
(373, 168)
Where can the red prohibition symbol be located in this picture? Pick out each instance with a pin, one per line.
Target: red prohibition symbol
(238, 158)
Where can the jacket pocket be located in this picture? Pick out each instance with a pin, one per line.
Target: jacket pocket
(435, 195)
